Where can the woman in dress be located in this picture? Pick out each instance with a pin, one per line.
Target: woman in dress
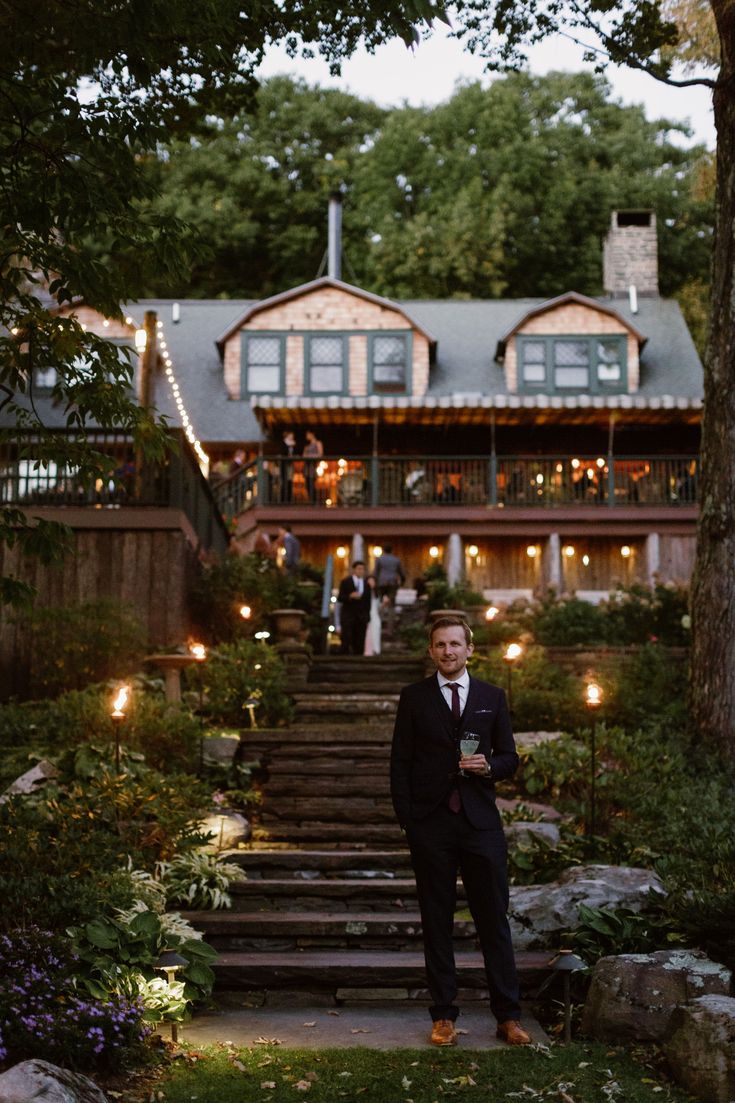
(372, 636)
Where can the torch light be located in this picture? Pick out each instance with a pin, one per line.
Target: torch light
(512, 654)
(245, 612)
(593, 701)
(491, 613)
(119, 705)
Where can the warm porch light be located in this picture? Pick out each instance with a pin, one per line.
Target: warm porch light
(600, 462)
(512, 652)
(625, 551)
(377, 551)
(434, 551)
(199, 651)
(341, 552)
(491, 612)
(585, 560)
(245, 612)
(141, 339)
(539, 479)
(531, 551)
(575, 463)
(568, 550)
(473, 551)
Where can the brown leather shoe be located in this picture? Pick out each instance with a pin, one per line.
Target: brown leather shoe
(513, 1033)
(443, 1033)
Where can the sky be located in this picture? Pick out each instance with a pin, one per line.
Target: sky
(393, 75)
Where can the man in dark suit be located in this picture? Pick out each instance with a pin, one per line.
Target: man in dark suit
(453, 825)
(354, 596)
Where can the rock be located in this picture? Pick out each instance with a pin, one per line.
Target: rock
(522, 833)
(701, 1047)
(546, 811)
(632, 996)
(226, 830)
(42, 1081)
(31, 780)
(526, 741)
(539, 913)
(220, 749)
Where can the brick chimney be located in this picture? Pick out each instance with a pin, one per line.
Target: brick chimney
(630, 255)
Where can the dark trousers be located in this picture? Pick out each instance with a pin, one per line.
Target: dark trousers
(442, 845)
(353, 631)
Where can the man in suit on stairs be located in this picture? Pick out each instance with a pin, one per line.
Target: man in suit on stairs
(452, 823)
(354, 597)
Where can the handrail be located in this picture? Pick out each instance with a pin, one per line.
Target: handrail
(551, 481)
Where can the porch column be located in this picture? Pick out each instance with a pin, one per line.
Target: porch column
(552, 562)
(358, 547)
(454, 561)
(653, 557)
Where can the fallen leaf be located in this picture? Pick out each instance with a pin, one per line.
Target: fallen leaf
(309, 1024)
(584, 1064)
(344, 1074)
(268, 1084)
(239, 1065)
(336, 1013)
(406, 1083)
(461, 1030)
(360, 1030)
(261, 1041)
(302, 1086)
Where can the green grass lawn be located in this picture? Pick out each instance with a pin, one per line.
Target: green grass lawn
(578, 1074)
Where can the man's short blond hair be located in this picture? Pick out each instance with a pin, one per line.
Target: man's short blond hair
(450, 622)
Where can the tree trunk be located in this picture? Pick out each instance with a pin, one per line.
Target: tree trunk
(712, 669)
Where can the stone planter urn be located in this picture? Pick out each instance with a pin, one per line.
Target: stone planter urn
(288, 624)
(435, 614)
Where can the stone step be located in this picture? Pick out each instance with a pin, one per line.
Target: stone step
(326, 894)
(371, 763)
(319, 738)
(328, 971)
(337, 708)
(281, 931)
(319, 833)
(349, 688)
(294, 861)
(360, 810)
(353, 783)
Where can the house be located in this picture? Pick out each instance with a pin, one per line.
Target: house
(523, 443)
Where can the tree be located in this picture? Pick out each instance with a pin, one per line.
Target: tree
(504, 190)
(87, 92)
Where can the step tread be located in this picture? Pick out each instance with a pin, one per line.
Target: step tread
(266, 920)
(312, 858)
(390, 960)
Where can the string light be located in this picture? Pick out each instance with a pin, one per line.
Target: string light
(168, 368)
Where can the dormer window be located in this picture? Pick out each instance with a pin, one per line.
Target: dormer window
(326, 360)
(580, 364)
(263, 361)
(389, 360)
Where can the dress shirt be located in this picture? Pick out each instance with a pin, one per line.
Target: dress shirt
(359, 586)
(464, 688)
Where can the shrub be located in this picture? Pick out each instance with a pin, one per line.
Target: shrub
(603, 931)
(118, 954)
(567, 622)
(638, 614)
(197, 880)
(238, 671)
(64, 851)
(545, 697)
(76, 645)
(42, 1013)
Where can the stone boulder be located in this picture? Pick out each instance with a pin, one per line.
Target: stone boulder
(539, 913)
(633, 996)
(701, 1048)
(32, 1081)
(31, 780)
(225, 830)
(523, 833)
(220, 749)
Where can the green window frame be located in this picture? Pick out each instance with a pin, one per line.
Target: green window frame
(390, 359)
(574, 363)
(263, 363)
(326, 362)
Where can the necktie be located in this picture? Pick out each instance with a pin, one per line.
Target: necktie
(454, 803)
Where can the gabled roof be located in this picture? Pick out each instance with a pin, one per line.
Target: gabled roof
(306, 289)
(562, 300)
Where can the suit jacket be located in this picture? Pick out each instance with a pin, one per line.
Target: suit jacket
(357, 610)
(424, 755)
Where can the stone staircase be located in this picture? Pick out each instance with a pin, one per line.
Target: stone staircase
(328, 911)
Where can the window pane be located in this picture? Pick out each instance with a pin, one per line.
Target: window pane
(608, 373)
(264, 350)
(326, 378)
(571, 352)
(326, 350)
(609, 366)
(534, 373)
(534, 352)
(389, 350)
(45, 378)
(263, 379)
(572, 377)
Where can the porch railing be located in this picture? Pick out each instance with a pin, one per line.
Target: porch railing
(175, 482)
(495, 481)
